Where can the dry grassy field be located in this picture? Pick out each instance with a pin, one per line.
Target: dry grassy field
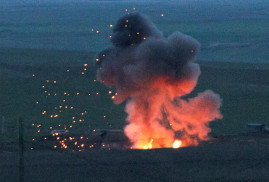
(224, 161)
(231, 155)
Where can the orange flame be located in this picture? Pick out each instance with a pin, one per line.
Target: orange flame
(177, 144)
(159, 118)
(148, 145)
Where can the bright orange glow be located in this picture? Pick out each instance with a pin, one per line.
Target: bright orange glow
(164, 120)
(177, 144)
(148, 145)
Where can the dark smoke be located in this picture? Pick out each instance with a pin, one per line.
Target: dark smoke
(153, 72)
(140, 54)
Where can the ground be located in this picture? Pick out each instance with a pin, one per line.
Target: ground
(243, 88)
(235, 156)
(226, 161)
(68, 26)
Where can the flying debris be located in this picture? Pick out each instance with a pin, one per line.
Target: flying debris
(153, 73)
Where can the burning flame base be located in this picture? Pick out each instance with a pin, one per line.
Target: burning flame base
(159, 117)
(176, 144)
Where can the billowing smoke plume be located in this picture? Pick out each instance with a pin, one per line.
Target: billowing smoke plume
(152, 73)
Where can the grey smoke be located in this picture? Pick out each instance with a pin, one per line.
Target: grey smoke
(140, 54)
(152, 73)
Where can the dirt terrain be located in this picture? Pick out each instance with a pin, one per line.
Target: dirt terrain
(230, 156)
(222, 159)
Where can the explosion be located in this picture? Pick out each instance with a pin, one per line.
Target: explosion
(153, 74)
